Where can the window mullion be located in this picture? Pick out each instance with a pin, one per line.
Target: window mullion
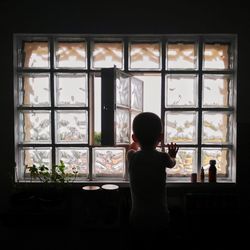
(163, 77)
(199, 138)
(52, 96)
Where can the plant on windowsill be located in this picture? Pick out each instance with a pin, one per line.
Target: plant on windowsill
(54, 181)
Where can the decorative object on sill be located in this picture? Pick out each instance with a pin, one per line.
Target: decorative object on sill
(212, 171)
(202, 175)
(194, 177)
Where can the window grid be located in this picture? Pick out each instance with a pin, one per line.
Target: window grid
(163, 40)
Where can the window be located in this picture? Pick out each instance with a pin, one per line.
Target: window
(76, 95)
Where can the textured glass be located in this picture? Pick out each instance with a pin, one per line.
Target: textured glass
(107, 55)
(34, 90)
(36, 55)
(215, 127)
(71, 55)
(72, 126)
(180, 127)
(181, 91)
(75, 160)
(222, 160)
(185, 163)
(216, 91)
(133, 115)
(35, 127)
(216, 56)
(71, 90)
(109, 162)
(122, 126)
(145, 56)
(37, 156)
(181, 56)
(122, 90)
(136, 94)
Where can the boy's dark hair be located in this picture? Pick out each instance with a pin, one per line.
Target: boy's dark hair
(147, 127)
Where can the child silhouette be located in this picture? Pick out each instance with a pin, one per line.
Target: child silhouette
(147, 175)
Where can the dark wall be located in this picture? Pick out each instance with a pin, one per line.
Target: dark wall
(152, 18)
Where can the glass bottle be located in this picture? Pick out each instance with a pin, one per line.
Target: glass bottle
(212, 171)
(202, 175)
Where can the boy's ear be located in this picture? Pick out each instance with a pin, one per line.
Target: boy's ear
(134, 138)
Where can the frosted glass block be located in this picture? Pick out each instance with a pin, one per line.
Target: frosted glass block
(186, 163)
(181, 56)
(108, 162)
(216, 56)
(136, 94)
(122, 90)
(71, 55)
(34, 90)
(71, 90)
(133, 115)
(215, 127)
(107, 55)
(75, 160)
(181, 127)
(35, 127)
(36, 55)
(37, 156)
(122, 126)
(222, 157)
(72, 126)
(181, 91)
(145, 56)
(216, 91)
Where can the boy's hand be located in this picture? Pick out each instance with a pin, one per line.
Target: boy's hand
(172, 149)
(133, 146)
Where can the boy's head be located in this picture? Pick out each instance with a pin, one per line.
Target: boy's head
(147, 129)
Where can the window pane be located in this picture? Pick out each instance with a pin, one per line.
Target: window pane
(151, 84)
(216, 56)
(181, 56)
(34, 90)
(36, 55)
(145, 56)
(75, 159)
(37, 156)
(72, 126)
(97, 111)
(216, 91)
(109, 162)
(180, 127)
(222, 160)
(181, 91)
(122, 90)
(216, 127)
(136, 94)
(35, 127)
(107, 55)
(71, 90)
(185, 163)
(122, 126)
(71, 55)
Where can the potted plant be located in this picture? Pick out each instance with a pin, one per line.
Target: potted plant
(53, 181)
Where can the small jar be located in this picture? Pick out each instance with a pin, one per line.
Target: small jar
(212, 171)
(194, 177)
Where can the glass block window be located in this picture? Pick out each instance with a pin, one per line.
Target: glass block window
(108, 162)
(61, 101)
(145, 55)
(107, 54)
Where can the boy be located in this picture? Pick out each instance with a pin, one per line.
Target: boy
(147, 174)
